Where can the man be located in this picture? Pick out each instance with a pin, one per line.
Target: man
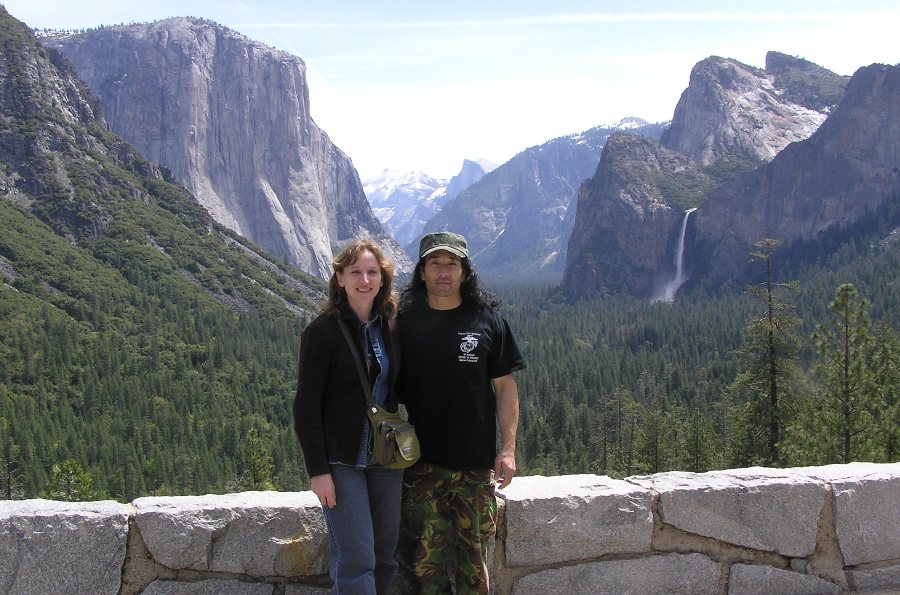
(457, 382)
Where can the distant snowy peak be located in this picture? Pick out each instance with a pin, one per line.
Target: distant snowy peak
(390, 185)
(630, 123)
(627, 123)
(404, 201)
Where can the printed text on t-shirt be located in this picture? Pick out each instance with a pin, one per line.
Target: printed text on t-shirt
(467, 345)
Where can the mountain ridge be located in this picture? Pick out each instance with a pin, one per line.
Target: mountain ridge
(230, 118)
(738, 201)
(517, 218)
(405, 201)
(139, 336)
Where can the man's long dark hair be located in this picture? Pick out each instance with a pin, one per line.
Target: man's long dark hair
(473, 292)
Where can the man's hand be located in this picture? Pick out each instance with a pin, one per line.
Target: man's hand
(504, 469)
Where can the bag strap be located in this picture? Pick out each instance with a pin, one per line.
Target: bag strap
(363, 377)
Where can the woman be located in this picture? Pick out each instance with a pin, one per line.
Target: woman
(361, 499)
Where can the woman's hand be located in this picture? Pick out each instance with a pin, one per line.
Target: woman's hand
(323, 488)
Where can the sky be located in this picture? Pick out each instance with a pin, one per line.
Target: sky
(420, 85)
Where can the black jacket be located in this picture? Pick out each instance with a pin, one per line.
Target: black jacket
(329, 407)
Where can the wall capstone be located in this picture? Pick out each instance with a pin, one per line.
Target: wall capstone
(771, 510)
(62, 547)
(257, 534)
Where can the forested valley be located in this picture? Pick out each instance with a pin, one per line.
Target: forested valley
(175, 395)
(620, 387)
(147, 350)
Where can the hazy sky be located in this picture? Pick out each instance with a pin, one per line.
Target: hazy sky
(421, 85)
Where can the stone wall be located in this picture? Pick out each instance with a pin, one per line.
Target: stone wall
(826, 529)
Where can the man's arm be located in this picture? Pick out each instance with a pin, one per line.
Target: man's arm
(506, 392)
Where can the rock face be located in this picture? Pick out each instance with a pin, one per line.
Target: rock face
(847, 169)
(623, 236)
(230, 118)
(803, 83)
(255, 533)
(518, 218)
(736, 111)
(593, 516)
(752, 151)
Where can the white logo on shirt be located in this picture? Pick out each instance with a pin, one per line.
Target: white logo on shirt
(467, 346)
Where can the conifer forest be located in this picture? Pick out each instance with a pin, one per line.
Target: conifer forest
(167, 393)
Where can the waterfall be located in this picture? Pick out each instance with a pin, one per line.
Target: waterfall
(671, 288)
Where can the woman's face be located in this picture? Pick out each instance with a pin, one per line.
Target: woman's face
(361, 280)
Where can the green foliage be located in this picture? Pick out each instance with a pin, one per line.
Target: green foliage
(618, 386)
(683, 189)
(852, 412)
(769, 380)
(156, 387)
(140, 342)
(69, 482)
(256, 462)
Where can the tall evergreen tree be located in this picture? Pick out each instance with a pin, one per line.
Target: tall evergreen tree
(770, 361)
(10, 462)
(886, 369)
(702, 445)
(847, 399)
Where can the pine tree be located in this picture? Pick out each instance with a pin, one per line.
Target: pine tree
(256, 460)
(770, 361)
(847, 400)
(702, 445)
(886, 369)
(10, 463)
(69, 482)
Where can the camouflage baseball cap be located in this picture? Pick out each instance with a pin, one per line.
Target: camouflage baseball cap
(443, 240)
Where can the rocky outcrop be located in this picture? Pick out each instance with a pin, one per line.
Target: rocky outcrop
(731, 110)
(753, 152)
(803, 83)
(470, 173)
(230, 118)
(847, 169)
(624, 234)
(518, 218)
(61, 164)
(832, 529)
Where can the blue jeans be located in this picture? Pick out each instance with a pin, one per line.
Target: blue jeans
(363, 528)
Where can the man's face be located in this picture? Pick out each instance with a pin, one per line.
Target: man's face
(443, 274)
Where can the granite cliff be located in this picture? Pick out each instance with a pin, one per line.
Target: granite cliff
(730, 123)
(731, 110)
(230, 118)
(86, 215)
(518, 218)
(622, 238)
(849, 168)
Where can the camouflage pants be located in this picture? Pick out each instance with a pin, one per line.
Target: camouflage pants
(446, 515)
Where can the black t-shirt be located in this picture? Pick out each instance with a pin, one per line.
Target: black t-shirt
(449, 359)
